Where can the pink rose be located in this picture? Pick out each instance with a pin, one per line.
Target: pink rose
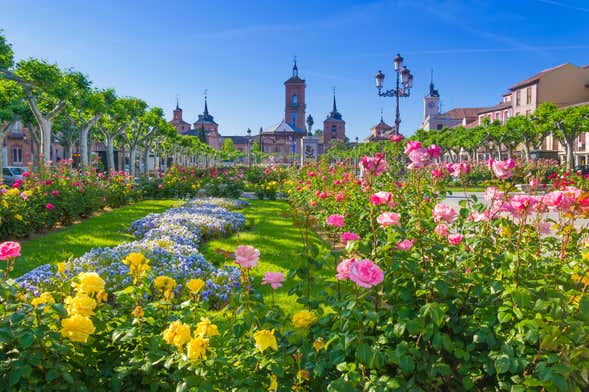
(49, 206)
(55, 192)
(274, 279)
(9, 250)
(443, 212)
(381, 198)
(348, 236)
(502, 169)
(460, 168)
(335, 220)
(389, 219)
(339, 197)
(434, 151)
(521, 203)
(437, 173)
(454, 239)
(412, 145)
(365, 273)
(247, 256)
(396, 138)
(343, 269)
(374, 165)
(419, 157)
(24, 196)
(405, 245)
(441, 230)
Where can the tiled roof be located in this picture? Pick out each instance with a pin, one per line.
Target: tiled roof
(295, 79)
(536, 77)
(460, 113)
(382, 125)
(501, 106)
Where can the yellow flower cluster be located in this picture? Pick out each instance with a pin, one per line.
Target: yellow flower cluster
(165, 285)
(265, 339)
(178, 334)
(304, 319)
(78, 326)
(44, 298)
(138, 265)
(195, 285)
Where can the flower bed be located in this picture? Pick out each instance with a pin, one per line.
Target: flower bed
(169, 240)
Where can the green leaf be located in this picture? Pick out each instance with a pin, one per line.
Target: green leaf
(584, 308)
(502, 363)
(26, 339)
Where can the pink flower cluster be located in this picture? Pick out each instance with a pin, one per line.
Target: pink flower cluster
(335, 220)
(375, 165)
(382, 198)
(421, 156)
(247, 256)
(389, 219)
(362, 272)
(502, 169)
(443, 213)
(348, 236)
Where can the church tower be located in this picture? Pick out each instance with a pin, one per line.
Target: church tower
(431, 102)
(177, 120)
(294, 105)
(334, 127)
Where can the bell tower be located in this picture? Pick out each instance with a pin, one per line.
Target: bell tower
(294, 100)
(431, 102)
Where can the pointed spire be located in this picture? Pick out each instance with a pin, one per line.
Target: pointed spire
(206, 112)
(295, 69)
(334, 105)
(381, 119)
(177, 103)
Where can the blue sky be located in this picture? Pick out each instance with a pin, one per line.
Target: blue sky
(242, 51)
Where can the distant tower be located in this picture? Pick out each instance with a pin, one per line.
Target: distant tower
(431, 102)
(177, 121)
(294, 105)
(334, 128)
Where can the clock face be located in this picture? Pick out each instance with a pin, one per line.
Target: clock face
(430, 105)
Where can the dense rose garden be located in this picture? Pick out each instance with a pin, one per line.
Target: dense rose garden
(421, 294)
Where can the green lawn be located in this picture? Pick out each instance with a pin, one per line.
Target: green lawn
(107, 229)
(272, 232)
(455, 189)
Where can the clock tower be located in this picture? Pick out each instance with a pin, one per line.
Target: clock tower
(431, 102)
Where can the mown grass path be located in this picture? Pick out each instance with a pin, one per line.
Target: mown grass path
(270, 229)
(107, 229)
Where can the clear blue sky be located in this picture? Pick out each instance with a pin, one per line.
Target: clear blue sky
(242, 51)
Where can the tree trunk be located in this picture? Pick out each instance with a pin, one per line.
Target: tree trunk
(132, 156)
(67, 150)
(84, 145)
(526, 148)
(3, 132)
(570, 158)
(110, 154)
(145, 160)
(45, 127)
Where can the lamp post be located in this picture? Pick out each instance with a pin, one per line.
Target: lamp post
(404, 82)
(292, 148)
(356, 157)
(249, 147)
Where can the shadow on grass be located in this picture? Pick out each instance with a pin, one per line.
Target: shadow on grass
(107, 229)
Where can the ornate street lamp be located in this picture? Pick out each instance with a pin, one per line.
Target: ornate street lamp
(249, 147)
(404, 83)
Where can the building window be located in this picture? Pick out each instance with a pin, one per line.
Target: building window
(518, 98)
(528, 95)
(17, 155)
(294, 100)
(439, 126)
(293, 119)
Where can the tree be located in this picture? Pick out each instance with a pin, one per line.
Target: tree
(569, 123)
(113, 123)
(228, 146)
(12, 109)
(202, 134)
(140, 126)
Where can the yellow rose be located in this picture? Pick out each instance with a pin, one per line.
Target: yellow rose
(164, 283)
(304, 319)
(77, 328)
(197, 348)
(44, 298)
(101, 297)
(61, 267)
(273, 387)
(195, 285)
(303, 375)
(177, 334)
(318, 344)
(18, 217)
(81, 305)
(138, 312)
(4, 204)
(89, 283)
(265, 339)
(138, 264)
(206, 328)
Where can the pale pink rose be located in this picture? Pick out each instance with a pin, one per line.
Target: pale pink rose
(389, 219)
(335, 220)
(274, 279)
(419, 157)
(442, 230)
(9, 250)
(412, 145)
(443, 212)
(24, 195)
(434, 151)
(343, 269)
(365, 273)
(381, 198)
(459, 169)
(454, 239)
(348, 236)
(374, 165)
(493, 193)
(405, 244)
(521, 203)
(480, 216)
(247, 256)
(555, 199)
(502, 169)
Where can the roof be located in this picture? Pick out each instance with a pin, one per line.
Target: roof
(382, 125)
(472, 124)
(586, 66)
(460, 113)
(500, 106)
(295, 79)
(534, 78)
(283, 127)
(237, 139)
